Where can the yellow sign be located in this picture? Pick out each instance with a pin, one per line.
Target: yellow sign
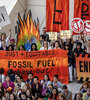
(65, 34)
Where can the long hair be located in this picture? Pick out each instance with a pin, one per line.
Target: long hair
(47, 76)
(85, 83)
(13, 95)
(2, 89)
(58, 44)
(35, 47)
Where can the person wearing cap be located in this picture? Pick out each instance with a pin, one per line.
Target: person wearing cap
(67, 93)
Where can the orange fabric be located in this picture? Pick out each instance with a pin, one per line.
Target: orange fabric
(83, 67)
(80, 6)
(49, 62)
(57, 15)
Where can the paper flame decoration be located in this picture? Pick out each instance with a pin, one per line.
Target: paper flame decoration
(28, 32)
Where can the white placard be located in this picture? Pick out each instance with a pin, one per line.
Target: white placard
(53, 35)
(4, 18)
(65, 34)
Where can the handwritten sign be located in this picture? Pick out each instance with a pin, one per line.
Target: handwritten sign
(65, 34)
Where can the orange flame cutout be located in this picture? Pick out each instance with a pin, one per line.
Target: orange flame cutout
(27, 29)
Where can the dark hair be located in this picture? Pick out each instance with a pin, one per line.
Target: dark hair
(56, 76)
(2, 90)
(23, 93)
(58, 44)
(44, 27)
(30, 73)
(64, 87)
(10, 71)
(7, 76)
(1, 35)
(47, 76)
(80, 44)
(22, 47)
(13, 95)
(55, 95)
(36, 77)
(88, 39)
(11, 47)
(35, 47)
(1, 70)
(20, 76)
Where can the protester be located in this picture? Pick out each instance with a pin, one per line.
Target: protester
(84, 87)
(45, 35)
(2, 76)
(2, 91)
(21, 48)
(67, 93)
(12, 97)
(34, 47)
(30, 78)
(45, 46)
(3, 46)
(8, 83)
(57, 45)
(36, 88)
(56, 83)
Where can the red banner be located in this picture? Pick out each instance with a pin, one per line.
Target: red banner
(57, 15)
(49, 62)
(82, 10)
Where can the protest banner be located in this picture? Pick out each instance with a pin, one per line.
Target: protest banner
(57, 15)
(49, 62)
(83, 67)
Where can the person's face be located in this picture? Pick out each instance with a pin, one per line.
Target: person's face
(33, 47)
(65, 90)
(7, 79)
(45, 43)
(24, 87)
(45, 77)
(3, 43)
(10, 48)
(54, 91)
(68, 40)
(60, 98)
(66, 47)
(18, 79)
(3, 37)
(0, 84)
(55, 79)
(28, 93)
(49, 86)
(78, 97)
(11, 97)
(44, 31)
(21, 48)
(23, 96)
(30, 76)
(12, 42)
(35, 80)
(78, 46)
(85, 86)
(15, 76)
(56, 45)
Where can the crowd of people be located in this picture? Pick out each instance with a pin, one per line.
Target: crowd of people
(13, 87)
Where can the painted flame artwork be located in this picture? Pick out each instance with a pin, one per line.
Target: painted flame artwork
(28, 32)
